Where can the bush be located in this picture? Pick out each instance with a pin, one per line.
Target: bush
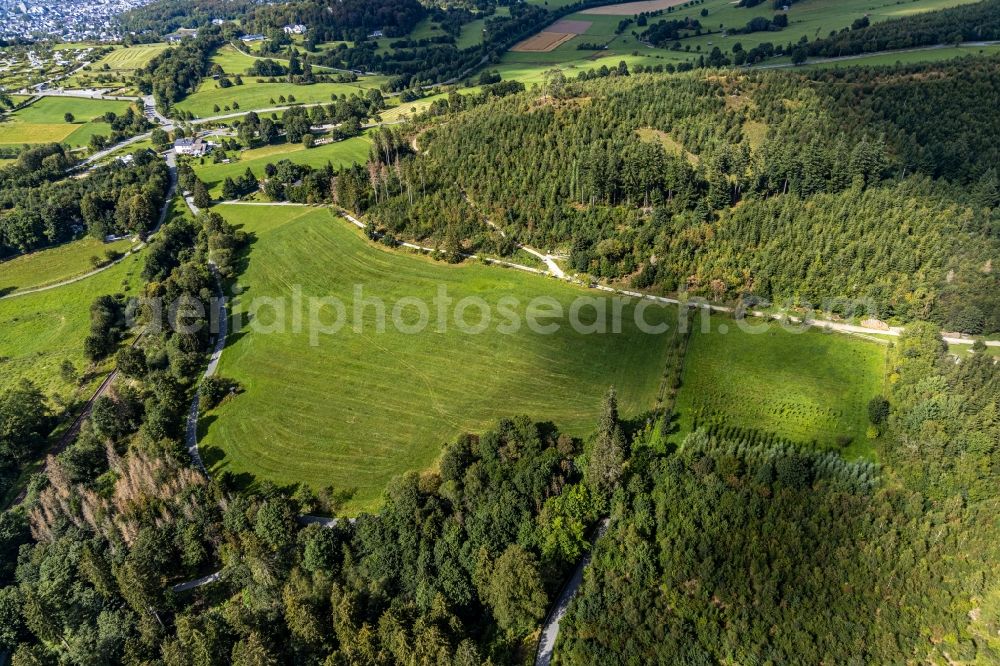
(214, 389)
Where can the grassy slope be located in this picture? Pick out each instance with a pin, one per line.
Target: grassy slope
(810, 18)
(121, 63)
(363, 407)
(807, 387)
(339, 154)
(43, 121)
(54, 264)
(38, 331)
(130, 58)
(252, 95)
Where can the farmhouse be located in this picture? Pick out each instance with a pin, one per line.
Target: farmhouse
(295, 29)
(193, 147)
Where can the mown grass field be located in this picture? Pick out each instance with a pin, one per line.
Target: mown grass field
(910, 57)
(55, 264)
(43, 121)
(341, 153)
(231, 60)
(252, 95)
(363, 406)
(39, 331)
(809, 18)
(808, 387)
(130, 58)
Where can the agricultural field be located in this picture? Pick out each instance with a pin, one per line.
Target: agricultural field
(810, 18)
(115, 68)
(55, 264)
(341, 153)
(362, 406)
(44, 122)
(252, 95)
(39, 331)
(811, 387)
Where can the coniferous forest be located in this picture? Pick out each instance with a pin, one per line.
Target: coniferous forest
(873, 185)
(867, 191)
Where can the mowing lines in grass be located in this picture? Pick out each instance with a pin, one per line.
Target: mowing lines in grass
(39, 331)
(363, 406)
(808, 387)
(340, 153)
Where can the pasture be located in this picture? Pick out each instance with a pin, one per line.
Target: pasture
(341, 153)
(809, 18)
(44, 121)
(39, 331)
(233, 61)
(363, 405)
(55, 264)
(810, 387)
(254, 96)
(633, 8)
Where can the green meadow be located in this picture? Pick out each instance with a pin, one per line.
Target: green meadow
(361, 406)
(810, 387)
(809, 18)
(44, 121)
(56, 264)
(39, 331)
(340, 153)
(252, 95)
(115, 67)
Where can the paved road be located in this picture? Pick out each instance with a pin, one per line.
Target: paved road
(217, 576)
(550, 630)
(85, 94)
(74, 428)
(198, 582)
(171, 160)
(220, 316)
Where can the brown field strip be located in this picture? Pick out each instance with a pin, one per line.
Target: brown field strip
(542, 42)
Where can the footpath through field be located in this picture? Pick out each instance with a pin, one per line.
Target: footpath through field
(74, 427)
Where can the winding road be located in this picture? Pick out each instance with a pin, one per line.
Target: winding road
(171, 160)
(550, 630)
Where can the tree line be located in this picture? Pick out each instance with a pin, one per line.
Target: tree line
(638, 176)
(113, 199)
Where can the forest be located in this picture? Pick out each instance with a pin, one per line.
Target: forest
(871, 186)
(37, 211)
(975, 22)
(712, 547)
(175, 72)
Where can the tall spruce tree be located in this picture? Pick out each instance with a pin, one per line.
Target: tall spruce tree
(607, 453)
